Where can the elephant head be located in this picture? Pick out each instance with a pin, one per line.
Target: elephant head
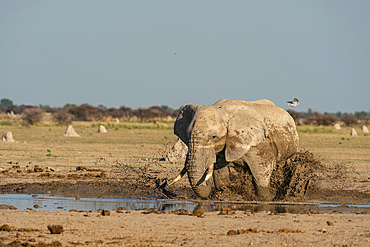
(209, 130)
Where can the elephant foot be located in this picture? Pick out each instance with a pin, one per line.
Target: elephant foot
(203, 190)
(263, 193)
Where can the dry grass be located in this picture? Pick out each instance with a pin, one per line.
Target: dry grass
(47, 145)
(338, 147)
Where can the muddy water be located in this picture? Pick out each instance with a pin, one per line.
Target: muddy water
(54, 203)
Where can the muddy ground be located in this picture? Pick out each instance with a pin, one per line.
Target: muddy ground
(147, 181)
(118, 165)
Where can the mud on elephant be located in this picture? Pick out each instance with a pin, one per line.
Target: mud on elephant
(253, 135)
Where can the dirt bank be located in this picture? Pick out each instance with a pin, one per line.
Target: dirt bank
(145, 228)
(302, 178)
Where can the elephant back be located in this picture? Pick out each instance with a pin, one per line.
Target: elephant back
(281, 127)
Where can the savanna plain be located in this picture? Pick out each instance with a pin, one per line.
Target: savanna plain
(127, 161)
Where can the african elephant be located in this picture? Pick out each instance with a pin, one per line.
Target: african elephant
(256, 134)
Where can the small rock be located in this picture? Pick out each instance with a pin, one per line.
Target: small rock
(5, 228)
(151, 211)
(105, 213)
(198, 213)
(226, 211)
(38, 169)
(231, 233)
(55, 229)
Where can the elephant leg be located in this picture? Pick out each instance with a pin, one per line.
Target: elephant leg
(221, 178)
(261, 161)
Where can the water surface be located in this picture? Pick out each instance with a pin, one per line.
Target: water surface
(55, 203)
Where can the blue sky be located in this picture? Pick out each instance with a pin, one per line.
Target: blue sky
(145, 53)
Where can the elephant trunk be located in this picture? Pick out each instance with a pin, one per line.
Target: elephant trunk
(199, 165)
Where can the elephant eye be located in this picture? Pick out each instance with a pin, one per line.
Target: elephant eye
(214, 136)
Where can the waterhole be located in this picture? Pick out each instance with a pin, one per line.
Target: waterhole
(55, 203)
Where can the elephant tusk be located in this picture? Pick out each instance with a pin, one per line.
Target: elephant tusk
(209, 172)
(182, 173)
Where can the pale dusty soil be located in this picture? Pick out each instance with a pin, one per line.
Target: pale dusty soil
(137, 229)
(126, 163)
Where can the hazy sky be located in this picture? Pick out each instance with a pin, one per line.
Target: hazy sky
(144, 53)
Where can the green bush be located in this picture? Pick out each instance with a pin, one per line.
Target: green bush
(315, 130)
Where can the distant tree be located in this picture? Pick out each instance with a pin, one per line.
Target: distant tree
(338, 114)
(310, 113)
(127, 112)
(167, 111)
(32, 116)
(100, 113)
(155, 112)
(361, 115)
(325, 119)
(6, 102)
(140, 113)
(84, 112)
(47, 108)
(68, 105)
(102, 106)
(115, 113)
(295, 115)
(349, 120)
(366, 120)
(62, 117)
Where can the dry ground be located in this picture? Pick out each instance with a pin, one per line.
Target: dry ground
(125, 162)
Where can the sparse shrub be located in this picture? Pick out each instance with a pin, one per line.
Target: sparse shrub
(295, 115)
(366, 120)
(319, 119)
(83, 112)
(127, 112)
(326, 119)
(32, 116)
(62, 118)
(311, 120)
(115, 113)
(348, 120)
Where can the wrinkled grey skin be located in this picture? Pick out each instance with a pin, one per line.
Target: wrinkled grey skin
(255, 134)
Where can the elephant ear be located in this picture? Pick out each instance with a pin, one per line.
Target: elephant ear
(183, 120)
(246, 128)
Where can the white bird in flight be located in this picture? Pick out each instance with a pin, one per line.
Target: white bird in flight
(293, 103)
